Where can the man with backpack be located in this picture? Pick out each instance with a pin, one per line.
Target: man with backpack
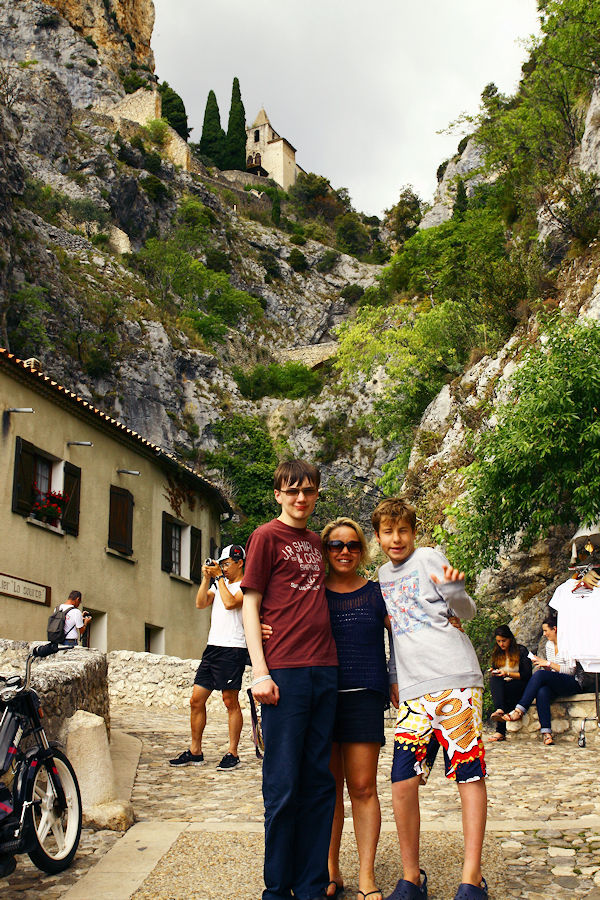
(67, 623)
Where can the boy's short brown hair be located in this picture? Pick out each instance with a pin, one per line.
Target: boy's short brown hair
(396, 509)
(294, 471)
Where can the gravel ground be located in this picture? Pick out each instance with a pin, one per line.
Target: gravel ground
(204, 866)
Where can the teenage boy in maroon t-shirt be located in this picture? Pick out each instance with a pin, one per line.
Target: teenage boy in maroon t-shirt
(295, 680)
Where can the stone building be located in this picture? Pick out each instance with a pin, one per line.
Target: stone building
(88, 504)
(270, 155)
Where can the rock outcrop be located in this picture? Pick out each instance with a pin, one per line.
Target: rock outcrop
(469, 167)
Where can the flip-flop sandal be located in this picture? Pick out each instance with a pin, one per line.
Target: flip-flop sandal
(339, 889)
(472, 891)
(369, 893)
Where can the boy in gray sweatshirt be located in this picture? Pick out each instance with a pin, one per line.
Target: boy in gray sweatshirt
(439, 688)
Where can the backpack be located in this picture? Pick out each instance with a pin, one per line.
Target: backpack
(56, 624)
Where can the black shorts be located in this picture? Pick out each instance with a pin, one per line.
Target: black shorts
(221, 668)
(359, 717)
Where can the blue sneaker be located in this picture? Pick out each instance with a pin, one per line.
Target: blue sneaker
(406, 890)
(472, 891)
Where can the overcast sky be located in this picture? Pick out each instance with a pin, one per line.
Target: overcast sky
(359, 88)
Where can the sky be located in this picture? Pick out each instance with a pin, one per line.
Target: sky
(361, 89)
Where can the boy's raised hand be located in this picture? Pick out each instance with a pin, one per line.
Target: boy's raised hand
(450, 574)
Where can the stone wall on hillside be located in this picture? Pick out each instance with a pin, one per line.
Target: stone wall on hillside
(68, 681)
(150, 679)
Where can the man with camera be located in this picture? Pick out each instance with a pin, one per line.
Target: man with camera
(224, 659)
(75, 621)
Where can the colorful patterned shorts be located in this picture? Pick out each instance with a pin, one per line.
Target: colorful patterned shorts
(451, 718)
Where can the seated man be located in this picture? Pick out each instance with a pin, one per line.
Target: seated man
(222, 665)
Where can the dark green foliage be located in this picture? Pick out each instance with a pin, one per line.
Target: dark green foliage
(130, 40)
(462, 144)
(155, 188)
(217, 261)
(312, 195)
(235, 149)
(270, 263)
(173, 110)
(51, 21)
(441, 169)
(461, 201)
(298, 239)
(538, 467)
(289, 379)
(132, 82)
(152, 162)
(575, 206)
(276, 208)
(26, 318)
(297, 260)
(247, 460)
(351, 235)
(212, 142)
(352, 292)
(90, 40)
(328, 261)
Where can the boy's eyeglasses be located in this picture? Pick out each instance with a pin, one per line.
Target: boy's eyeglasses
(295, 492)
(338, 546)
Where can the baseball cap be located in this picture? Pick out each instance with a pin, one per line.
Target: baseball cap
(232, 551)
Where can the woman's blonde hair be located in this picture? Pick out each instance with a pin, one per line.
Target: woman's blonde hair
(345, 522)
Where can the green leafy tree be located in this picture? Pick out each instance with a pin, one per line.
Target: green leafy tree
(173, 110)
(290, 379)
(403, 218)
(461, 201)
(312, 196)
(213, 140)
(247, 460)
(538, 467)
(236, 131)
(351, 235)
(26, 316)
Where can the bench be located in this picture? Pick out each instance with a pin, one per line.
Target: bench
(567, 713)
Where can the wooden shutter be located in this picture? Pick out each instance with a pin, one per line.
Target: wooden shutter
(213, 548)
(120, 520)
(166, 561)
(72, 485)
(23, 495)
(196, 555)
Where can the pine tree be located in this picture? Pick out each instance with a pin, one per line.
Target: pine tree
(213, 140)
(236, 130)
(173, 110)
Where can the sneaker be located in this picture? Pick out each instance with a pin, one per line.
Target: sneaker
(187, 758)
(229, 761)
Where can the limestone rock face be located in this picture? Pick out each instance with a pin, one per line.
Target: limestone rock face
(468, 167)
(589, 152)
(109, 24)
(35, 36)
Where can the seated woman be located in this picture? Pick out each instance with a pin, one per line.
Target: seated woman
(554, 676)
(510, 672)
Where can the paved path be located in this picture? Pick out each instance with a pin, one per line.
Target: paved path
(199, 831)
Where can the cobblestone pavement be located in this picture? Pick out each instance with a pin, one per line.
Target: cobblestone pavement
(544, 814)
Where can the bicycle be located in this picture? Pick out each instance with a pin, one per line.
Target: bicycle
(40, 802)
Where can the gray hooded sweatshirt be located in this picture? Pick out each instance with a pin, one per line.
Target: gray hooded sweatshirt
(431, 655)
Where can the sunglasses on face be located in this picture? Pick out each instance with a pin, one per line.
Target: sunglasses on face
(338, 546)
(295, 492)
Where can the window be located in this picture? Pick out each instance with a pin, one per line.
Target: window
(120, 520)
(154, 639)
(181, 549)
(256, 136)
(37, 473)
(257, 159)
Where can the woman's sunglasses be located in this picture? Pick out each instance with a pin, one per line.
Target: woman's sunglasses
(338, 546)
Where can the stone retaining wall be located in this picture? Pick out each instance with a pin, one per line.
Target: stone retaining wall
(567, 713)
(68, 681)
(150, 679)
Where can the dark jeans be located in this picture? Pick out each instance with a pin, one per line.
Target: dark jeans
(543, 686)
(298, 787)
(506, 695)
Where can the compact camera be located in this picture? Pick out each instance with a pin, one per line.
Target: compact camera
(210, 562)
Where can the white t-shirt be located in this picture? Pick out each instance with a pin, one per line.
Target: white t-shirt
(226, 626)
(73, 621)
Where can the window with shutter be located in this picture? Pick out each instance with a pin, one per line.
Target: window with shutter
(120, 520)
(176, 549)
(196, 555)
(72, 486)
(24, 476)
(166, 562)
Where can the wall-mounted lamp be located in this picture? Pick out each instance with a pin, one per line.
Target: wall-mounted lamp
(128, 472)
(79, 444)
(25, 409)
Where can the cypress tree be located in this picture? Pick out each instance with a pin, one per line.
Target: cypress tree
(212, 142)
(276, 209)
(173, 110)
(236, 130)
(461, 201)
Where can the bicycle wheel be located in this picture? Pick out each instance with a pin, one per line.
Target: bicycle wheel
(54, 832)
